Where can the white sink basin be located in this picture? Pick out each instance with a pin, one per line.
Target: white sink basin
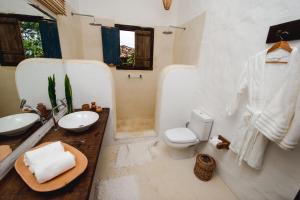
(78, 121)
(17, 124)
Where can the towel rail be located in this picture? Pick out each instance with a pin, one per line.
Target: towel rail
(140, 76)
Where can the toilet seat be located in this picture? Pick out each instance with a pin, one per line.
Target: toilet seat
(179, 145)
(180, 137)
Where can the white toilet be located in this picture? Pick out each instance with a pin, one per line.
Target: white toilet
(182, 141)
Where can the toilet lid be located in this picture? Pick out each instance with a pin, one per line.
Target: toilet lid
(180, 135)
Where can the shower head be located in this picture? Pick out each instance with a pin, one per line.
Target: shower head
(92, 23)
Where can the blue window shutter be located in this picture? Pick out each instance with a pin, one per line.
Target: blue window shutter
(50, 39)
(111, 45)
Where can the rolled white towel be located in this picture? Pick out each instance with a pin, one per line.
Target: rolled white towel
(57, 165)
(42, 154)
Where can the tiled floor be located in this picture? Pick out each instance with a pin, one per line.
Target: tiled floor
(144, 171)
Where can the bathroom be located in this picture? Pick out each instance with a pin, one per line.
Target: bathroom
(199, 52)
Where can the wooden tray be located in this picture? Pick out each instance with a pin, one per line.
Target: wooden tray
(57, 182)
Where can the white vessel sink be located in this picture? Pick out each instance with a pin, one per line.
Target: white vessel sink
(78, 121)
(17, 124)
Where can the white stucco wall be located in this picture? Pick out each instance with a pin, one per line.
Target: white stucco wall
(134, 98)
(136, 12)
(233, 31)
(176, 89)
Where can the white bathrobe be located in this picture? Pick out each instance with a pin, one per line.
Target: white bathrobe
(272, 108)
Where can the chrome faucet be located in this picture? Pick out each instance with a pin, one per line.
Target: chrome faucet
(43, 120)
(23, 105)
(53, 112)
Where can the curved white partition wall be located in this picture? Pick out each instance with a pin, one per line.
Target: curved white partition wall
(90, 81)
(175, 97)
(32, 80)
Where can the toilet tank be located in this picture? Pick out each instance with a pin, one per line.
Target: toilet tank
(200, 124)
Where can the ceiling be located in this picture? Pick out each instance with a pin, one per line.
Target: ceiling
(19, 7)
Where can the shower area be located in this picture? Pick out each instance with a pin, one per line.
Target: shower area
(135, 104)
(143, 54)
(135, 79)
(137, 70)
(138, 92)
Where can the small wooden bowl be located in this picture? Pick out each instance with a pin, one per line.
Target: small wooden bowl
(57, 182)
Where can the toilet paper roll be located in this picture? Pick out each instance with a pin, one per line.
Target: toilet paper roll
(214, 141)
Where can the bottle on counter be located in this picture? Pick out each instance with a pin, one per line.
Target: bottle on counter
(93, 106)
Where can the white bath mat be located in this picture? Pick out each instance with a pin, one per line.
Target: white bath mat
(135, 154)
(122, 188)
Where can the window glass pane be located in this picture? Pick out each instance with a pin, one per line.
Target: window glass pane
(127, 48)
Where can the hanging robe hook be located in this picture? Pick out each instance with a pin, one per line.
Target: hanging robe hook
(283, 35)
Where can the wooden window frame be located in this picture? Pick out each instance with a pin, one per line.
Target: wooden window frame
(28, 18)
(18, 17)
(135, 28)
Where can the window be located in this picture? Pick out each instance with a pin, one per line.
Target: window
(32, 41)
(128, 47)
(24, 36)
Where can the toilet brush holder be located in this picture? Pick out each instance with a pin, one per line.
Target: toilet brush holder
(204, 167)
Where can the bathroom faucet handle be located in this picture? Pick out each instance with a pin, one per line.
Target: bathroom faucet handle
(52, 113)
(62, 103)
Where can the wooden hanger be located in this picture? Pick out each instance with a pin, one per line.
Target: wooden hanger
(282, 44)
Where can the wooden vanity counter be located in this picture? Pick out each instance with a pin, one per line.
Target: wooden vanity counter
(88, 142)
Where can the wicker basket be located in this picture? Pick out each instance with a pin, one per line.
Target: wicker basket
(204, 167)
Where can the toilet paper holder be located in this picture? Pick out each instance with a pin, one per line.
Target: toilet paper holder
(224, 144)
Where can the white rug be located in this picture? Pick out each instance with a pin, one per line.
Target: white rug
(122, 188)
(136, 154)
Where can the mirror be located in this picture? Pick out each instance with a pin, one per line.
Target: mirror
(25, 32)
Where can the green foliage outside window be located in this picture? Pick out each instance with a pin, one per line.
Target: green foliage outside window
(127, 55)
(130, 60)
(32, 42)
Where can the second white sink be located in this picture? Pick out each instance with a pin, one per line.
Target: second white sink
(78, 121)
(17, 124)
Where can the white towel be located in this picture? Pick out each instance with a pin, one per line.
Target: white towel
(290, 140)
(57, 165)
(277, 116)
(36, 156)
